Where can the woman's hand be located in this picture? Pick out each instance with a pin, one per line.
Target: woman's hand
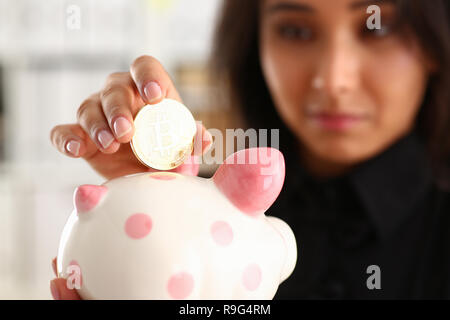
(105, 127)
(59, 289)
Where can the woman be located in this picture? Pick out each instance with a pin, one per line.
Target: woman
(364, 118)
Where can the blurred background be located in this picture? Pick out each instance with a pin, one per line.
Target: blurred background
(53, 54)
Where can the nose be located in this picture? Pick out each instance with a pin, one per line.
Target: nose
(338, 70)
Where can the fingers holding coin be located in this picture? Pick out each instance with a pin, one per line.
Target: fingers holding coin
(164, 135)
(93, 121)
(120, 101)
(107, 119)
(125, 93)
(165, 131)
(152, 80)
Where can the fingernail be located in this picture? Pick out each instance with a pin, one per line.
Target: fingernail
(152, 91)
(122, 126)
(73, 147)
(105, 138)
(54, 290)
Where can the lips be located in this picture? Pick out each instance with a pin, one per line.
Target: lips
(336, 121)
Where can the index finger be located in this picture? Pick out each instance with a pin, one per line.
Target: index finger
(152, 80)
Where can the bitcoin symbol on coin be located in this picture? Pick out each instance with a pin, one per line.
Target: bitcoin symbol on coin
(164, 134)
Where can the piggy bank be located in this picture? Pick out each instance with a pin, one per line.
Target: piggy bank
(165, 235)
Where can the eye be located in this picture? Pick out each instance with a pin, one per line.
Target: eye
(291, 32)
(384, 31)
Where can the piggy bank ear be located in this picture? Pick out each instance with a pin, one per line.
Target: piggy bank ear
(86, 197)
(251, 179)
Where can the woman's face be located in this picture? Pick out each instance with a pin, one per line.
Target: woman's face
(346, 92)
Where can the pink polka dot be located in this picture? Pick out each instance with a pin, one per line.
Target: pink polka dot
(163, 176)
(222, 233)
(138, 225)
(180, 285)
(251, 277)
(73, 273)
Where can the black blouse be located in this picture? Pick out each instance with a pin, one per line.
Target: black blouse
(387, 212)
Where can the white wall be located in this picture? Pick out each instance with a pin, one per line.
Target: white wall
(49, 70)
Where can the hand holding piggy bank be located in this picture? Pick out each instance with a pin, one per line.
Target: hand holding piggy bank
(164, 235)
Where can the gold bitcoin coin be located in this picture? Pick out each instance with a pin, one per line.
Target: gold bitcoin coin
(164, 134)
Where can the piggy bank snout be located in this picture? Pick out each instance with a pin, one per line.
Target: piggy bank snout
(290, 246)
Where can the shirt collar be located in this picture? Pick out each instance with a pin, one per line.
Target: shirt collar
(386, 187)
(391, 184)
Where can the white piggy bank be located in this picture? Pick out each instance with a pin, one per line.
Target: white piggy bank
(165, 235)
